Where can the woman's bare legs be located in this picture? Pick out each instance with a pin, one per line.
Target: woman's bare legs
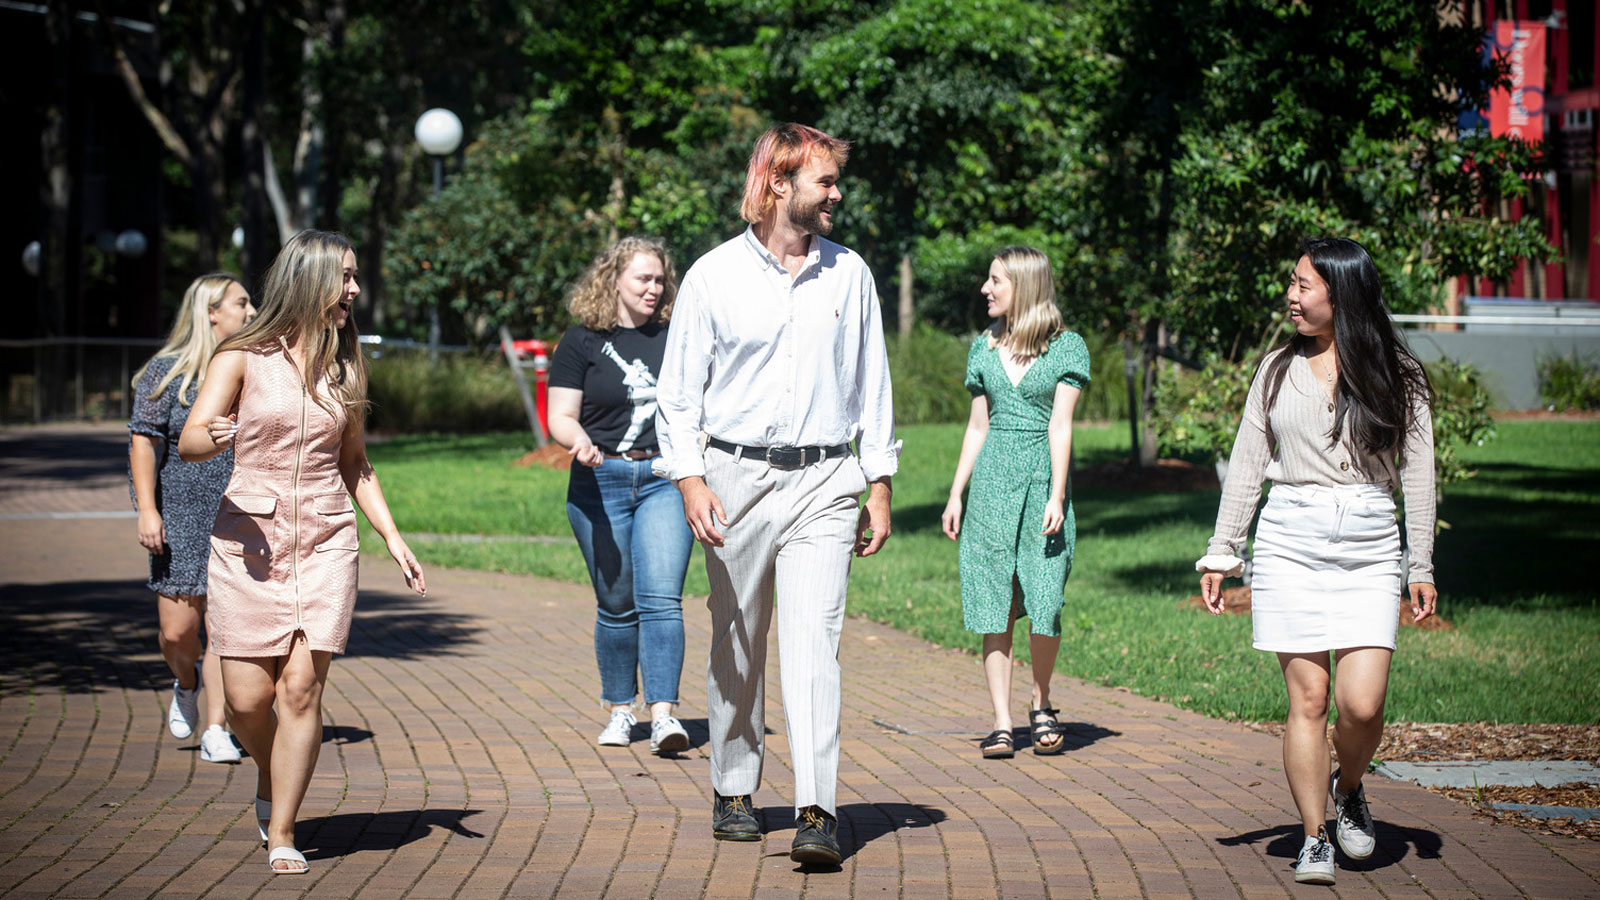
(1358, 694)
(284, 744)
(997, 665)
(250, 685)
(180, 618)
(1044, 649)
(1305, 736)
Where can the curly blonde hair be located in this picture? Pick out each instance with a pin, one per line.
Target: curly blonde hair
(593, 298)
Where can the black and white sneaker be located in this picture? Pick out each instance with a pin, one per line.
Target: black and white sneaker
(1352, 820)
(1315, 863)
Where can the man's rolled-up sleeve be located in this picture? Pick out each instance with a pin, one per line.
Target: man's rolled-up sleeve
(681, 387)
(880, 452)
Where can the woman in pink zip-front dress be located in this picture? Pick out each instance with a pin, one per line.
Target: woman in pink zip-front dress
(288, 393)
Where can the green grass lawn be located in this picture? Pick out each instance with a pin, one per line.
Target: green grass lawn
(1513, 567)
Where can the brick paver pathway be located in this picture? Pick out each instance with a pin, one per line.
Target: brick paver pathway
(459, 760)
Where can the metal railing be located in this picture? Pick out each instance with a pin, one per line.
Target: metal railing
(1555, 320)
(70, 377)
(43, 379)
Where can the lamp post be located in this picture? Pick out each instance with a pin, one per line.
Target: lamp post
(438, 132)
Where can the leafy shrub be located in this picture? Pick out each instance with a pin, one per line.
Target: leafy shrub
(1107, 397)
(1198, 413)
(929, 370)
(1460, 417)
(1568, 383)
(465, 392)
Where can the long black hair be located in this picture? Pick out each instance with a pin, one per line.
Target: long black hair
(1379, 379)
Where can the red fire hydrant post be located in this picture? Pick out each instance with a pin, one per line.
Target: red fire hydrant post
(539, 351)
(541, 383)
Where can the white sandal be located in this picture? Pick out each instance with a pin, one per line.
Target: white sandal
(263, 814)
(288, 853)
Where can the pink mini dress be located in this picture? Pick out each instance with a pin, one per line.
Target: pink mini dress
(284, 544)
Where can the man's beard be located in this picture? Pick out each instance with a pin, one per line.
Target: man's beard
(809, 218)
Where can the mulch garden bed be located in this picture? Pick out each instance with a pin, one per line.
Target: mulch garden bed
(1438, 742)
(1165, 475)
(550, 456)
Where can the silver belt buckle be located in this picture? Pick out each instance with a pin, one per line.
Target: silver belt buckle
(786, 458)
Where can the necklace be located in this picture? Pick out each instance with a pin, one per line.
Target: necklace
(1328, 372)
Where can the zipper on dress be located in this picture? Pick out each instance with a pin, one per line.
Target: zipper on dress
(294, 560)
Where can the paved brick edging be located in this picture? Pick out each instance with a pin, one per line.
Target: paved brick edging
(459, 762)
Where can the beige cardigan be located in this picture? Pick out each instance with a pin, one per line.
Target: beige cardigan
(1289, 445)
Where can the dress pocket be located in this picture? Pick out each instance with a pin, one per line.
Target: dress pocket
(245, 525)
(336, 522)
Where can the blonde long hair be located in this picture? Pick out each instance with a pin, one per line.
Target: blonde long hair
(1033, 320)
(593, 299)
(297, 299)
(191, 340)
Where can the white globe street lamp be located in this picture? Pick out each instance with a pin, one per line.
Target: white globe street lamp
(131, 243)
(31, 258)
(438, 131)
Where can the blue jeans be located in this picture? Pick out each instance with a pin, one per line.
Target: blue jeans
(630, 526)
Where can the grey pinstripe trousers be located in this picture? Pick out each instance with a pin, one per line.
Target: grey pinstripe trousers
(789, 532)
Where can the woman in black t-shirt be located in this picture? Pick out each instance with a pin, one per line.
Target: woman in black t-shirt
(628, 521)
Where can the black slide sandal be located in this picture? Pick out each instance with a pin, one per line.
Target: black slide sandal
(998, 745)
(1044, 724)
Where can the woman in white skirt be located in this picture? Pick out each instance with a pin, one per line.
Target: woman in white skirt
(1335, 419)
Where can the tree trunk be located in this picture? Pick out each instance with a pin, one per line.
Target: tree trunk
(1130, 371)
(1150, 359)
(210, 198)
(616, 197)
(386, 191)
(332, 123)
(256, 243)
(55, 193)
(308, 147)
(907, 299)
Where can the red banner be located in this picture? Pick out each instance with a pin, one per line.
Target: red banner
(1519, 112)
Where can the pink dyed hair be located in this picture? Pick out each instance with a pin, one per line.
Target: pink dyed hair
(783, 150)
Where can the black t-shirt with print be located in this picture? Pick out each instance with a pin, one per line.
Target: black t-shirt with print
(617, 373)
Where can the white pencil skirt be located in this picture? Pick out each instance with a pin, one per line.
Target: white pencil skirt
(1327, 569)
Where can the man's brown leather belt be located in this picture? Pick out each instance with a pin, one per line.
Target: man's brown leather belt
(781, 457)
(635, 453)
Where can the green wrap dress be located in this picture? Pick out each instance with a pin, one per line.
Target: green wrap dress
(1010, 487)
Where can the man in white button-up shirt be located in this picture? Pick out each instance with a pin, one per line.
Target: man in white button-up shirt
(775, 365)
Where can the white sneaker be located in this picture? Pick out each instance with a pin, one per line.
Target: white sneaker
(184, 712)
(1352, 821)
(217, 746)
(667, 736)
(617, 730)
(1315, 863)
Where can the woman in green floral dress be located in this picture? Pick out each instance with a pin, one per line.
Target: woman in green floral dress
(1025, 375)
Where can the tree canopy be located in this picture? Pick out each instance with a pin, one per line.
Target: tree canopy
(1167, 154)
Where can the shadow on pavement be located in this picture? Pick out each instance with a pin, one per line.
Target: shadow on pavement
(65, 456)
(344, 833)
(78, 637)
(85, 636)
(344, 734)
(1395, 842)
(859, 823)
(1285, 840)
(393, 625)
(1078, 734)
(699, 733)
